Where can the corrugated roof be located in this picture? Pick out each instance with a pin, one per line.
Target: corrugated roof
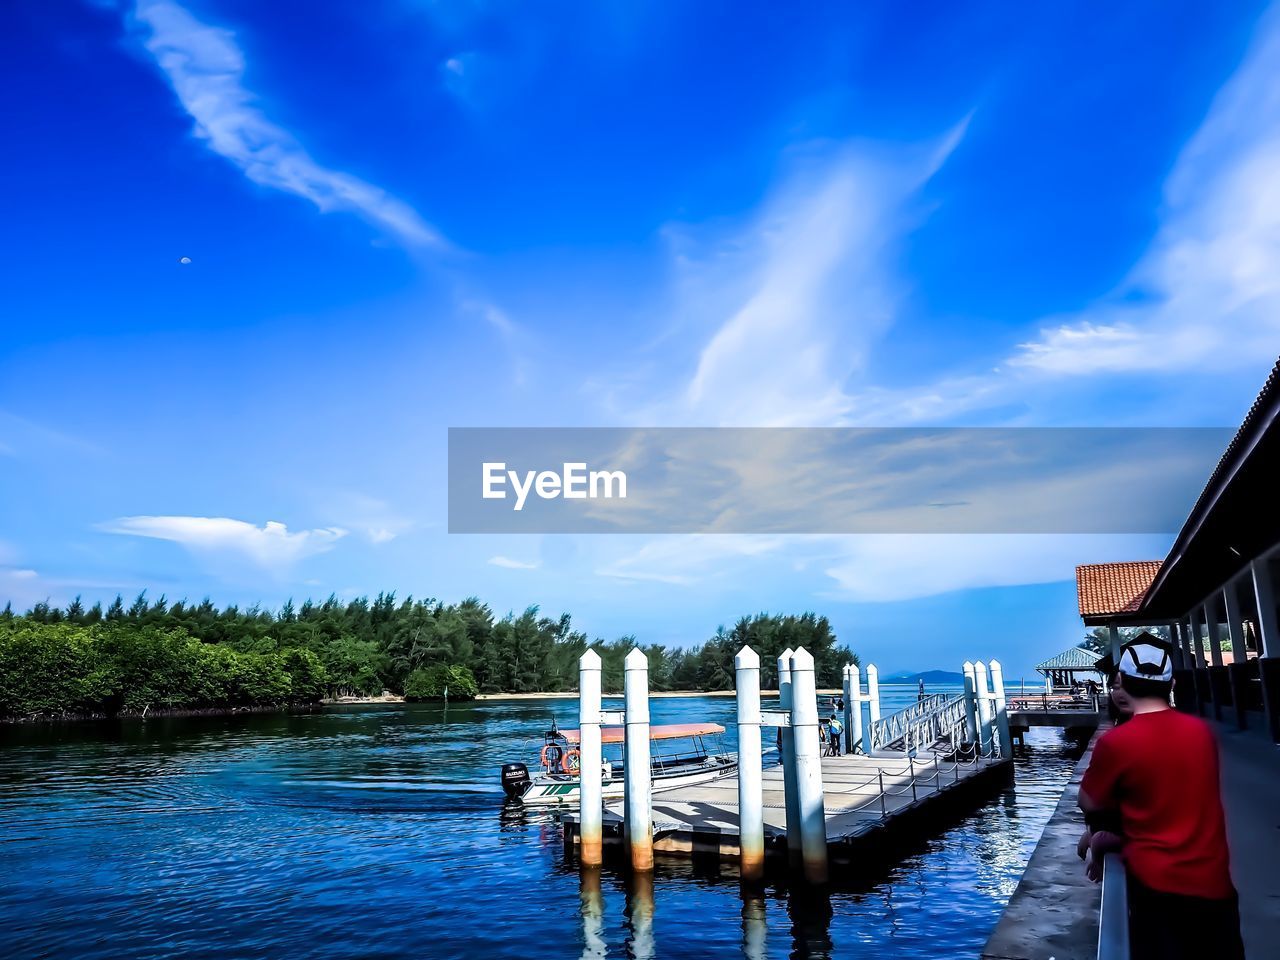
(1077, 658)
(1113, 588)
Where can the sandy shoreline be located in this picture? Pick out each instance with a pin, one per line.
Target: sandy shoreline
(653, 694)
(565, 695)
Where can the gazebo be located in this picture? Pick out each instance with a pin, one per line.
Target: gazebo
(1060, 671)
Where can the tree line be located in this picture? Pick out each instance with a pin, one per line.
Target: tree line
(155, 655)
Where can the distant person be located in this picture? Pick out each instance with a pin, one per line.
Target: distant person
(834, 729)
(1151, 791)
(920, 692)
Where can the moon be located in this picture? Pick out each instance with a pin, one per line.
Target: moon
(185, 260)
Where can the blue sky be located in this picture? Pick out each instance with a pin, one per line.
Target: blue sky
(402, 216)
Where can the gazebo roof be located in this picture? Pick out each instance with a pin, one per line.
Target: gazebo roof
(1077, 658)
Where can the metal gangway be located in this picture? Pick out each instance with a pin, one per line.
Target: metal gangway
(934, 717)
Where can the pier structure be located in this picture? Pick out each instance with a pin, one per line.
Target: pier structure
(1213, 598)
(813, 813)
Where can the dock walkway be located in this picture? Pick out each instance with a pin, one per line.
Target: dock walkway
(704, 818)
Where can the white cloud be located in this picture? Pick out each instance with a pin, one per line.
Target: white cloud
(270, 546)
(796, 296)
(685, 560)
(509, 564)
(205, 68)
(1206, 295)
(895, 567)
(878, 568)
(370, 517)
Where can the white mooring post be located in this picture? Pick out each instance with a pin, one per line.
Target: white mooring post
(590, 852)
(873, 692)
(854, 708)
(637, 806)
(1001, 709)
(985, 720)
(846, 684)
(750, 792)
(970, 704)
(873, 708)
(788, 754)
(809, 787)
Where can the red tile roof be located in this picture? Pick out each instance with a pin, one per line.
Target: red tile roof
(1114, 588)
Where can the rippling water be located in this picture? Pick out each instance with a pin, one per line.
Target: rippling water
(379, 832)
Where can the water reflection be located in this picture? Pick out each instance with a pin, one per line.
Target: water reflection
(639, 916)
(755, 929)
(592, 898)
(810, 912)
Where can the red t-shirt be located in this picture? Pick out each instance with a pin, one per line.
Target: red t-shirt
(1160, 770)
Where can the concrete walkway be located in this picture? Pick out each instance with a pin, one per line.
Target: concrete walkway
(1054, 911)
(1251, 795)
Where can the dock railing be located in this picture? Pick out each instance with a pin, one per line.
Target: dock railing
(936, 773)
(1113, 916)
(931, 718)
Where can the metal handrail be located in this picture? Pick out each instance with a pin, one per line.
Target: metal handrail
(1113, 916)
(923, 722)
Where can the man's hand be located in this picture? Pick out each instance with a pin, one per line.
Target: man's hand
(1083, 846)
(1101, 842)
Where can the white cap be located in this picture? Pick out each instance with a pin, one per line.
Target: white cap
(1146, 661)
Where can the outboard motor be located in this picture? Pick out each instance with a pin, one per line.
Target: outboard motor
(515, 778)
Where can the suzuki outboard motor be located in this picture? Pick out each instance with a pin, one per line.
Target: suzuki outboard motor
(515, 778)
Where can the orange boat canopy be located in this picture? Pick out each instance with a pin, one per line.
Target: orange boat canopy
(672, 731)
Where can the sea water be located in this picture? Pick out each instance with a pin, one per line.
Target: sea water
(380, 831)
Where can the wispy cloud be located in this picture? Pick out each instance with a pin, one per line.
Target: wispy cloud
(20, 437)
(876, 568)
(509, 564)
(270, 546)
(890, 568)
(802, 291)
(689, 559)
(370, 517)
(1206, 295)
(205, 67)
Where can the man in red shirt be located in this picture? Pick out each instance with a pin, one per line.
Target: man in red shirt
(1153, 780)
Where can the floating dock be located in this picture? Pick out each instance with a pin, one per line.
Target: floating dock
(864, 798)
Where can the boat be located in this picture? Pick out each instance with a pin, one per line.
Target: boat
(699, 757)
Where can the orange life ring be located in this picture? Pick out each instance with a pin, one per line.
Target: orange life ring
(572, 762)
(550, 761)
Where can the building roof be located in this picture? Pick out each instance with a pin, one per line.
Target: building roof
(1077, 658)
(1233, 519)
(1110, 589)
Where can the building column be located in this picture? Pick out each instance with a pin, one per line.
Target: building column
(1237, 672)
(1200, 674)
(1213, 631)
(1217, 672)
(1113, 642)
(1264, 588)
(1182, 687)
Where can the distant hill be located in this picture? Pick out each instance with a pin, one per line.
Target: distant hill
(929, 676)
